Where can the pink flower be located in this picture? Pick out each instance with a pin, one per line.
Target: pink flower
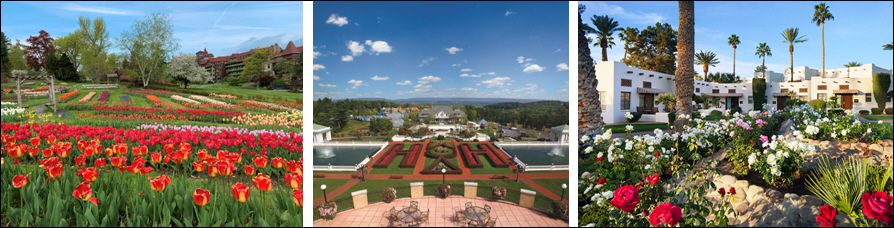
(764, 139)
(761, 122)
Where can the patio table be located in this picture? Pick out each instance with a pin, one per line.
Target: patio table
(477, 214)
(409, 215)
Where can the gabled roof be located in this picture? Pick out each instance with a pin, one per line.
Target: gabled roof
(563, 128)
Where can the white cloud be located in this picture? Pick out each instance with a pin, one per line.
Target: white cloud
(521, 59)
(405, 83)
(327, 85)
(425, 62)
(458, 64)
(449, 89)
(466, 70)
(356, 83)
(534, 68)
(469, 90)
(319, 67)
(530, 87)
(563, 90)
(377, 93)
(491, 73)
(422, 86)
(428, 79)
(496, 82)
(558, 50)
(316, 78)
(347, 58)
(509, 13)
(468, 75)
(377, 78)
(378, 47)
(336, 20)
(453, 50)
(479, 84)
(355, 47)
(562, 67)
(601, 8)
(102, 10)
(317, 54)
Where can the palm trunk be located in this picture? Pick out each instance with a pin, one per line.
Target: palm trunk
(791, 53)
(706, 71)
(734, 60)
(764, 67)
(589, 108)
(604, 45)
(824, 49)
(684, 81)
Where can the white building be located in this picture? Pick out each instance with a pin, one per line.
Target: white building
(322, 133)
(625, 89)
(560, 134)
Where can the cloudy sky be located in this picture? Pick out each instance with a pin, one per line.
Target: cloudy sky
(222, 27)
(857, 33)
(456, 49)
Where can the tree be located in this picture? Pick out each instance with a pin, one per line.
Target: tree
(706, 59)
(381, 124)
(254, 65)
(185, 70)
(888, 47)
(4, 53)
(357, 133)
(684, 80)
(589, 109)
(791, 37)
(72, 46)
(880, 84)
(17, 57)
(629, 36)
(758, 91)
(149, 43)
(654, 49)
(668, 100)
(851, 64)
(763, 50)
(734, 41)
(605, 29)
(95, 44)
(819, 17)
(430, 118)
(41, 47)
(62, 68)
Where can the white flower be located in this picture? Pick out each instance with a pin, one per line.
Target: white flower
(648, 166)
(588, 189)
(585, 139)
(588, 150)
(628, 115)
(752, 159)
(880, 122)
(834, 135)
(629, 127)
(771, 159)
(651, 149)
(844, 132)
(608, 194)
(591, 224)
(868, 130)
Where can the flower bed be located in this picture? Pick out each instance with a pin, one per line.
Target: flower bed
(67, 96)
(290, 104)
(155, 101)
(267, 106)
(216, 130)
(286, 119)
(99, 86)
(104, 96)
(88, 97)
(208, 100)
(179, 114)
(183, 99)
(88, 106)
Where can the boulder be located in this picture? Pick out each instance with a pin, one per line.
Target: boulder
(812, 201)
(843, 220)
(754, 193)
(741, 186)
(876, 147)
(791, 208)
(773, 216)
(728, 180)
(741, 207)
(774, 196)
(808, 213)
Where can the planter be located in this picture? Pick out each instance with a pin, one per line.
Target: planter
(444, 190)
(328, 210)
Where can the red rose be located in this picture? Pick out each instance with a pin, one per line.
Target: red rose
(601, 181)
(732, 190)
(599, 159)
(626, 198)
(722, 192)
(827, 216)
(877, 205)
(665, 214)
(654, 179)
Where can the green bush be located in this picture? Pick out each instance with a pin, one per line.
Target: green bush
(696, 115)
(672, 117)
(876, 111)
(636, 117)
(736, 109)
(759, 88)
(716, 113)
(889, 111)
(880, 84)
(864, 112)
(817, 104)
(278, 82)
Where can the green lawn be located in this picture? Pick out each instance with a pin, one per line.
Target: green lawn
(716, 118)
(352, 125)
(621, 128)
(331, 185)
(394, 169)
(545, 172)
(429, 161)
(879, 117)
(489, 168)
(234, 90)
(554, 185)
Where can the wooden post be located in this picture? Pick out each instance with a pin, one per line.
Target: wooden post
(52, 92)
(19, 90)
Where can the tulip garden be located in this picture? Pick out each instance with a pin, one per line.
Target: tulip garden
(153, 158)
(671, 178)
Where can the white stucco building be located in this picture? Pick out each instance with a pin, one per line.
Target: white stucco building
(322, 133)
(625, 89)
(560, 134)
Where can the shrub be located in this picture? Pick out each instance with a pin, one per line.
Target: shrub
(499, 193)
(636, 117)
(389, 194)
(716, 113)
(440, 137)
(671, 117)
(864, 112)
(278, 82)
(880, 84)
(889, 111)
(817, 104)
(696, 115)
(876, 111)
(560, 209)
(736, 109)
(738, 155)
(328, 210)
(476, 140)
(444, 190)
(759, 88)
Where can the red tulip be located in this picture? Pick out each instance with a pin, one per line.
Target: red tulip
(140, 151)
(293, 167)
(297, 196)
(278, 163)
(19, 181)
(155, 157)
(146, 170)
(160, 183)
(202, 155)
(249, 170)
(83, 192)
(51, 139)
(665, 213)
(199, 166)
(118, 161)
(54, 171)
(80, 160)
(169, 148)
(294, 180)
(16, 152)
(241, 192)
(110, 152)
(48, 152)
(121, 149)
(101, 163)
(201, 197)
(88, 175)
(262, 182)
(261, 161)
(35, 142)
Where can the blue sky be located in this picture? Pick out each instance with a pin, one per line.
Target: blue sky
(436, 49)
(857, 33)
(223, 27)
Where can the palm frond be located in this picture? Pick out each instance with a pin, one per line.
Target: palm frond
(840, 184)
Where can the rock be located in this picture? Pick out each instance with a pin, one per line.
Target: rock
(741, 207)
(738, 197)
(812, 201)
(758, 212)
(733, 221)
(754, 192)
(843, 220)
(741, 186)
(888, 151)
(804, 224)
(774, 196)
(791, 208)
(876, 147)
(825, 145)
(887, 142)
(783, 223)
(773, 216)
(728, 180)
(808, 213)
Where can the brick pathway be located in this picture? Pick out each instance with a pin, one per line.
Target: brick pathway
(442, 212)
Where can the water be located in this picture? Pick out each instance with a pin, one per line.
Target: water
(342, 155)
(540, 155)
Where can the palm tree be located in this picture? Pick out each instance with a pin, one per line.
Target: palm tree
(734, 41)
(763, 50)
(888, 47)
(851, 64)
(628, 35)
(589, 108)
(605, 29)
(706, 59)
(820, 16)
(685, 56)
(791, 37)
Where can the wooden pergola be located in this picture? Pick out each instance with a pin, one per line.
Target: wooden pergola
(110, 76)
(47, 78)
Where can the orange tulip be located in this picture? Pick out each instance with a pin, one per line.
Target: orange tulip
(226, 169)
(297, 196)
(35, 142)
(262, 182)
(155, 157)
(160, 183)
(48, 152)
(83, 192)
(54, 172)
(120, 149)
(110, 152)
(19, 181)
(146, 170)
(140, 151)
(51, 139)
(277, 163)
(101, 163)
(261, 161)
(82, 145)
(203, 155)
(185, 147)
(294, 180)
(249, 170)
(118, 161)
(88, 175)
(293, 167)
(241, 192)
(201, 197)
(199, 166)
(80, 160)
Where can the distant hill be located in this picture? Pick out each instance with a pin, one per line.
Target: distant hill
(530, 105)
(457, 101)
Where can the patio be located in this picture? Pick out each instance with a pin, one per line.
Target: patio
(443, 213)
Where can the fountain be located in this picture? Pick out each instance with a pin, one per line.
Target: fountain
(342, 155)
(540, 155)
(557, 152)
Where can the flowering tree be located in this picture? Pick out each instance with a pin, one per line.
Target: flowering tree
(41, 47)
(185, 70)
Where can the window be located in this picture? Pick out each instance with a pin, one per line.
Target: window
(625, 100)
(626, 82)
(783, 90)
(821, 87)
(868, 97)
(642, 100)
(698, 90)
(602, 99)
(751, 99)
(802, 90)
(844, 87)
(822, 96)
(647, 85)
(715, 91)
(732, 91)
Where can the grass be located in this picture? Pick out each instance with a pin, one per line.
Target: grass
(331, 185)
(489, 168)
(394, 168)
(879, 117)
(621, 128)
(554, 185)
(235, 90)
(716, 118)
(352, 126)
(546, 172)
(429, 161)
